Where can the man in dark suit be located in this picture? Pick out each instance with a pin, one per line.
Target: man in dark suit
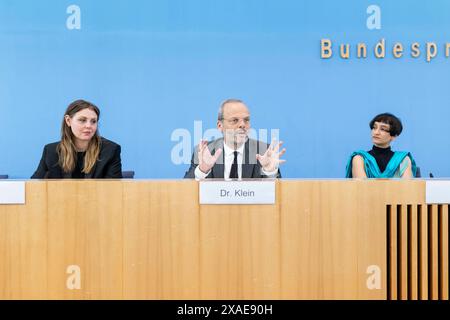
(235, 156)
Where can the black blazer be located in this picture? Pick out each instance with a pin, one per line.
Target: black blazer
(251, 168)
(107, 166)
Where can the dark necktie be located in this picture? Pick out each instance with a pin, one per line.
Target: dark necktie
(234, 168)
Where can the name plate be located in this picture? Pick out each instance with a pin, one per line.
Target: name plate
(237, 192)
(437, 192)
(12, 192)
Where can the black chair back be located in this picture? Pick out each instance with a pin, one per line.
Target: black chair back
(418, 173)
(127, 174)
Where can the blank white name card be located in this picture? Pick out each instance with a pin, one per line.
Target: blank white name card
(438, 192)
(12, 192)
(237, 192)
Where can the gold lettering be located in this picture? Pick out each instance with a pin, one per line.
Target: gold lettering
(397, 51)
(415, 51)
(362, 50)
(431, 51)
(325, 49)
(380, 46)
(345, 54)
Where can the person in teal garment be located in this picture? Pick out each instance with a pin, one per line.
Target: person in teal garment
(381, 161)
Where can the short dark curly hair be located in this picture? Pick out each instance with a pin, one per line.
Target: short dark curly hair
(395, 124)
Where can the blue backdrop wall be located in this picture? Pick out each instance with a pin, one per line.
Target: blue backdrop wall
(156, 67)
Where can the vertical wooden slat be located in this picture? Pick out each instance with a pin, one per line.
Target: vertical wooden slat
(402, 251)
(423, 252)
(161, 240)
(84, 229)
(443, 252)
(392, 251)
(433, 252)
(413, 248)
(23, 246)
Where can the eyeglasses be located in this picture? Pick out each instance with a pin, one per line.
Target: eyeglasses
(237, 120)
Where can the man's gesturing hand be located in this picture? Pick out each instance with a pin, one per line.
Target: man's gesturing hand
(205, 160)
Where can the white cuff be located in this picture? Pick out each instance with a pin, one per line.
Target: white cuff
(271, 174)
(199, 175)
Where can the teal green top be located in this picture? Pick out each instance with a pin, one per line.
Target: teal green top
(395, 168)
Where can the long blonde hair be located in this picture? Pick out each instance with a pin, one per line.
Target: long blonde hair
(66, 148)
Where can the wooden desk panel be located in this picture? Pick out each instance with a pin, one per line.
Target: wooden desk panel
(161, 240)
(152, 240)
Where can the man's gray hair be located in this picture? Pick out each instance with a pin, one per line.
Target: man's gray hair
(220, 115)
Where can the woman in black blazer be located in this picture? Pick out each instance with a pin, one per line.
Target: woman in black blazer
(81, 153)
